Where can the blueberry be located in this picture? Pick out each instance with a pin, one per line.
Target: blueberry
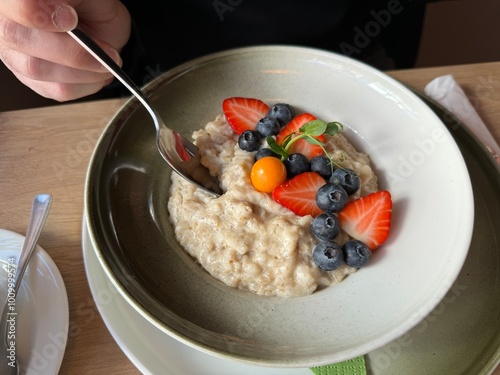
(331, 198)
(321, 165)
(283, 112)
(356, 253)
(346, 178)
(268, 126)
(249, 140)
(328, 255)
(263, 152)
(296, 164)
(325, 227)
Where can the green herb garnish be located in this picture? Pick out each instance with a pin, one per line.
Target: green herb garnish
(307, 132)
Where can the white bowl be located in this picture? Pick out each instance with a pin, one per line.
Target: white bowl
(413, 153)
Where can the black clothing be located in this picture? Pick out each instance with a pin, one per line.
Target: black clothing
(384, 34)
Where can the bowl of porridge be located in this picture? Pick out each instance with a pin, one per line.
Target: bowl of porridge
(232, 276)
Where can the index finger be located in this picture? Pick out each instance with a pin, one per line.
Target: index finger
(50, 15)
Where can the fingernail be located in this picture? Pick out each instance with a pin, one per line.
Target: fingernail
(65, 18)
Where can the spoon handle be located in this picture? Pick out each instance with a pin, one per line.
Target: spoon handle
(95, 50)
(100, 55)
(179, 153)
(39, 212)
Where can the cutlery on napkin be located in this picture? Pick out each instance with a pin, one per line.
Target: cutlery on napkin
(446, 91)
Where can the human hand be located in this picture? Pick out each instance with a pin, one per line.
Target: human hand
(34, 44)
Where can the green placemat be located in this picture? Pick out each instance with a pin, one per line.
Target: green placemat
(355, 366)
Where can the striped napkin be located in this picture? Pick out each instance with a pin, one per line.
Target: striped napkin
(355, 366)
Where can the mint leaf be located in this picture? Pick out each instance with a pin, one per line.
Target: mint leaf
(273, 145)
(314, 128)
(333, 128)
(309, 131)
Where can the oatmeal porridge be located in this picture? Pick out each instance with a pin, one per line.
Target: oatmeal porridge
(245, 238)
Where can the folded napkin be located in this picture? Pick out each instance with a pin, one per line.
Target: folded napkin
(355, 366)
(450, 95)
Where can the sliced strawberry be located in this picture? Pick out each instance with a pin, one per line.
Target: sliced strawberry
(368, 219)
(301, 146)
(299, 193)
(243, 113)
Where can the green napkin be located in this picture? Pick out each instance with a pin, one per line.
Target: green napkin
(355, 366)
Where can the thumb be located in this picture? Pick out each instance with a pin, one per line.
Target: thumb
(65, 17)
(48, 15)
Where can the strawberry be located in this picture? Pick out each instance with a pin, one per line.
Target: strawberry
(301, 146)
(243, 113)
(299, 193)
(368, 219)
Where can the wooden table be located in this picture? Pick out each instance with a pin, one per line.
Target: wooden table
(48, 149)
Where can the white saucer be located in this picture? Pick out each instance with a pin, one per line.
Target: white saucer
(42, 306)
(151, 350)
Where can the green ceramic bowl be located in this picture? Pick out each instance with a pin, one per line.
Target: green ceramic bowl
(415, 157)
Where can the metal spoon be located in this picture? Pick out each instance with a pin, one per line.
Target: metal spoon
(41, 206)
(181, 154)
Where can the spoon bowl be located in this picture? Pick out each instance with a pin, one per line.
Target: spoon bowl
(179, 153)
